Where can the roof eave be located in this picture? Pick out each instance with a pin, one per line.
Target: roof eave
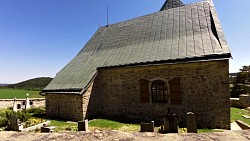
(69, 91)
(61, 91)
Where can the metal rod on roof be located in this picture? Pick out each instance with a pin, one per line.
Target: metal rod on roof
(107, 13)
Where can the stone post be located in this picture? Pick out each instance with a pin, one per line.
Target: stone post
(191, 123)
(83, 125)
(166, 126)
(15, 105)
(244, 100)
(174, 123)
(13, 124)
(147, 127)
(27, 104)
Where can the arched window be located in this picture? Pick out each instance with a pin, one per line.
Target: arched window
(159, 91)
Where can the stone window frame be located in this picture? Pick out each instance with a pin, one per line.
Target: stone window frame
(167, 91)
(174, 93)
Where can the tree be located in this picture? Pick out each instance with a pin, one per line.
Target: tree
(241, 82)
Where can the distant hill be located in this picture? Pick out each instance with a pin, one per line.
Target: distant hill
(4, 84)
(32, 84)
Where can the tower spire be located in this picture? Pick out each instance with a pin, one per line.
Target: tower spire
(169, 4)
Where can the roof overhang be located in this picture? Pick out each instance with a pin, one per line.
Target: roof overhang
(61, 91)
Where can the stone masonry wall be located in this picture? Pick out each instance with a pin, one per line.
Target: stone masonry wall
(36, 102)
(71, 106)
(64, 106)
(204, 89)
(242, 102)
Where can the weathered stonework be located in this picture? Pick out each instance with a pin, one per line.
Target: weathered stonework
(204, 88)
(115, 93)
(64, 106)
(242, 102)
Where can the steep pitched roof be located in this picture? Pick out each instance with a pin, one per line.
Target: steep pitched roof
(183, 34)
(169, 4)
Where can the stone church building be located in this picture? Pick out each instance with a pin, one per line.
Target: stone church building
(135, 70)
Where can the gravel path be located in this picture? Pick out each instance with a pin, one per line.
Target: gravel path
(108, 135)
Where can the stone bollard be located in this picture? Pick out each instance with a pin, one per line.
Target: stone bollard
(191, 123)
(244, 100)
(147, 127)
(14, 105)
(83, 125)
(174, 123)
(166, 127)
(27, 103)
(14, 124)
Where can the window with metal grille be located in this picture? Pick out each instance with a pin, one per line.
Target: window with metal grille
(159, 91)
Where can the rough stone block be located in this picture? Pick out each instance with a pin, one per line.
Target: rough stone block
(47, 129)
(191, 123)
(166, 127)
(173, 124)
(14, 125)
(83, 125)
(147, 127)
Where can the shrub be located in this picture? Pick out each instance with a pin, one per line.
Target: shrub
(3, 121)
(34, 121)
(36, 111)
(8, 114)
(22, 115)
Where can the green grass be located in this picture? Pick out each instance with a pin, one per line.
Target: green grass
(61, 125)
(236, 114)
(11, 93)
(113, 125)
(208, 130)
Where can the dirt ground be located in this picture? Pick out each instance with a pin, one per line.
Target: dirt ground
(108, 135)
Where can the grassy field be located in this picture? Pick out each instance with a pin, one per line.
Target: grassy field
(236, 114)
(11, 93)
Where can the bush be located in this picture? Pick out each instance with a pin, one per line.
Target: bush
(36, 111)
(8, 114)
(34, 121)
(22, 115)
(3, 121)
(238, 89)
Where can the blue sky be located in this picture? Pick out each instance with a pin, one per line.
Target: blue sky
(39, 37)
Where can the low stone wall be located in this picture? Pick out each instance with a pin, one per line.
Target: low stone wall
(242, 102)
(243, 125)
(33, 128)
(34, 102)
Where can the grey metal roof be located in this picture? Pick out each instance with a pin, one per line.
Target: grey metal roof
(183, 33)
(169, 4)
